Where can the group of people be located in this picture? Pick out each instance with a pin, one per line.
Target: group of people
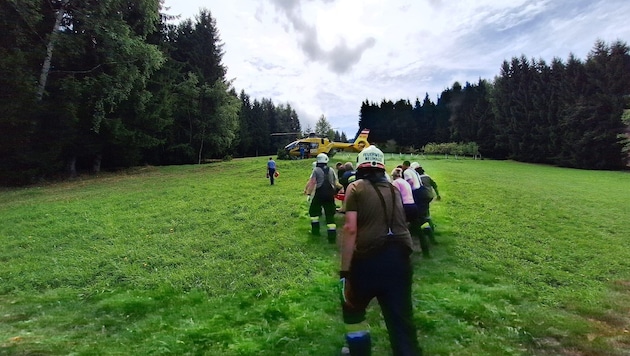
(382, 213)
(417, 190)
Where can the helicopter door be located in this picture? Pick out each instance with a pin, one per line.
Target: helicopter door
(314, 147)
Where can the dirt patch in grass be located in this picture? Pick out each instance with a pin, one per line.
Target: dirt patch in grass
(610, 331)
(613, 327)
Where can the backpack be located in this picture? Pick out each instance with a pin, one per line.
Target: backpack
(426, 182)
(424, 192)
(325, 193)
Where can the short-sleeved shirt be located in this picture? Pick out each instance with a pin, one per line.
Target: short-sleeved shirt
(372, 219)
(318, 173)
(405, 190)
(271, 164)
(412, 178)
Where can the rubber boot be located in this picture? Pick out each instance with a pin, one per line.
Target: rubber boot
(359, 343)
(332, 233)
(428, 231)
(315, 226)
(424, 243)
(415, 228)
(431, 223)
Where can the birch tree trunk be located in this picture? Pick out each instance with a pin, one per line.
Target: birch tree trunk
(49, 51)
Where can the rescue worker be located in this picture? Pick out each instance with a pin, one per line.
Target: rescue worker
(413, 178)
(411, 210)
(414, 181)
(322, 186)
(432, 186)
(423, 197)
(375, 259)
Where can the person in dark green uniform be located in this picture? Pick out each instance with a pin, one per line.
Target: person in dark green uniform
(322, 186)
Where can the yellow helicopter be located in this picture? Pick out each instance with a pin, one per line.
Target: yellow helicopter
(312, 145)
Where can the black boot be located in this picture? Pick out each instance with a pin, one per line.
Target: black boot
(416, 231)
(428, 231)
(424, 243)
(332, 233)
(431, 223)
(332, 236)
(359, 343)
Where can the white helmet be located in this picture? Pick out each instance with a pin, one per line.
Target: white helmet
(371, 157)
(322, 158)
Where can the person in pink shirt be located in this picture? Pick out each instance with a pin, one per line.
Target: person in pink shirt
(411, 209)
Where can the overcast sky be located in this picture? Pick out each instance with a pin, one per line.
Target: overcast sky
(325, 57)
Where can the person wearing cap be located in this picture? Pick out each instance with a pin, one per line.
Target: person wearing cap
(321, 187)
(411, 210)
(375, 259)
(410, 176)
(422, 197)
(413, 178)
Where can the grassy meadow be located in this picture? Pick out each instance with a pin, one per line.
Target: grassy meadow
(212, 260)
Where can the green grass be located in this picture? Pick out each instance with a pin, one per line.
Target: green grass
(211, 260)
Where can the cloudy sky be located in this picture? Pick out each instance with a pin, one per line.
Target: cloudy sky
(325, 57)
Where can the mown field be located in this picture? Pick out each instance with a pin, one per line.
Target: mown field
(211, 260)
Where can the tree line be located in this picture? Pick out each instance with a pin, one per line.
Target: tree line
(92, 85)
(572, 114)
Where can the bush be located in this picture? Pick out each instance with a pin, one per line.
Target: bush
(453, 148)
(283, 154)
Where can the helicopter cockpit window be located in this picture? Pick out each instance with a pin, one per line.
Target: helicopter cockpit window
(291, 146)
(314, 145)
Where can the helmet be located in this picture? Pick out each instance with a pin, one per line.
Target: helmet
(414, 165)
(371, 157)
(322, 158)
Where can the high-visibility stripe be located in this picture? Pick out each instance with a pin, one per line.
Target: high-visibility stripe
(357, 328)
(331, 227)
(314, 219)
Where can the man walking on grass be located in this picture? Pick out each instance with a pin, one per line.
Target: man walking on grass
(375, 259)
(271, 170)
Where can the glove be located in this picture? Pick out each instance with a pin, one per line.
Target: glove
(344, 289)
(308, 198)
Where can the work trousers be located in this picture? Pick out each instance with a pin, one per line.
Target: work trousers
(421, 203)
(387, 276)
(271, 172)
(315, 210)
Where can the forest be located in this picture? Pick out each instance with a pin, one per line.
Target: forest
(87, 86)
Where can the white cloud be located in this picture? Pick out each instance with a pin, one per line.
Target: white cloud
(328, 56)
